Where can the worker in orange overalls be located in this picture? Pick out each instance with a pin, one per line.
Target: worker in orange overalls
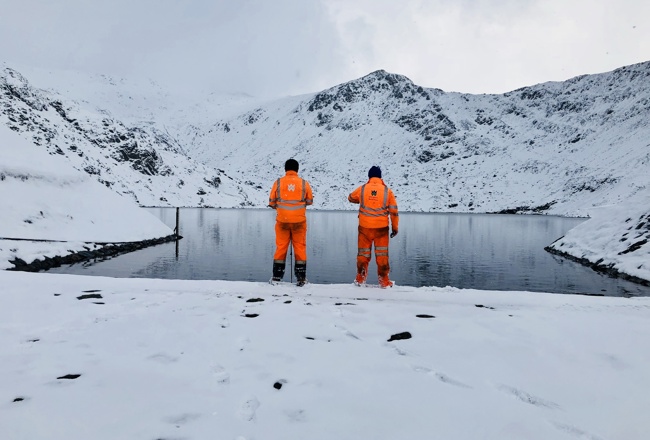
(376, 202)
(290, 197)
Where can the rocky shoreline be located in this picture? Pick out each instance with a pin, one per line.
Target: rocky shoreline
(607, 269)
(105, 251)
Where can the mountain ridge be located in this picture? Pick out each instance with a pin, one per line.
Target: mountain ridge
(556, 147)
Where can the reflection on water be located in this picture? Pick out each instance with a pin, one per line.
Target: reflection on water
(496, 252)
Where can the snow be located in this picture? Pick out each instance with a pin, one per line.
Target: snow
(616, 236)
(200, 359)
(47, 199)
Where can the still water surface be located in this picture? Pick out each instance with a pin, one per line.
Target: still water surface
(479, 251)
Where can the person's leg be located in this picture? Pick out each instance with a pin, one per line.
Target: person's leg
(381, 257)
(299, 242)
(363, 255)
(282, 240)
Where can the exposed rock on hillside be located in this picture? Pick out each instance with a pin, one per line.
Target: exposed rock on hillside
(141, 161)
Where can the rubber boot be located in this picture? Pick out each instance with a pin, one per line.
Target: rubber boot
(362, 272)
(278, 271)
(385, 282)
(301, 274)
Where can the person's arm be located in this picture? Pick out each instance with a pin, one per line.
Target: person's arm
(394, 213)
(309, 197)
(273, 196)
(354, 196)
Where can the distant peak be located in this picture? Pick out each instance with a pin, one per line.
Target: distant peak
(383, 75)
(378, 84)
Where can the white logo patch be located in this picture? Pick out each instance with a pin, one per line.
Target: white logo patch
(291, 187)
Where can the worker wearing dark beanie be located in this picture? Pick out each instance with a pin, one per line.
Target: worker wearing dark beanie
(376, 205)
(374, 171)
(290, 196)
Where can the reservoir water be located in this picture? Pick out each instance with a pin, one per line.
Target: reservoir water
(478, 251)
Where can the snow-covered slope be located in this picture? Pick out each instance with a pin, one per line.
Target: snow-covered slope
(559, 147)
(616, 238)
(44, 198)
(119, 135)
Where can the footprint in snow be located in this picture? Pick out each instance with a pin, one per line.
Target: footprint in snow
(528, 398)
(441, 377)
(347, 332)
(296, 415)
(248, 408)
(163, 358)
(182, 419)
(220, 374)
(576, 432)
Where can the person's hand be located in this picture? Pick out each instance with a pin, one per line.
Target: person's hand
(394, 233)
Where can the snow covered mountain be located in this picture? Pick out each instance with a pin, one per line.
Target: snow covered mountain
(558, 147)
(105, 128)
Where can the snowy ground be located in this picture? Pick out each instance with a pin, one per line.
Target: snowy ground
(161, 359)
(616, 236)
(44, 198)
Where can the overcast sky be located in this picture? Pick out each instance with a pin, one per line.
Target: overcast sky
(273, 48)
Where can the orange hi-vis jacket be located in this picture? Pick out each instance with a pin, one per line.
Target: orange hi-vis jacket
(376, 202)
(290, 196)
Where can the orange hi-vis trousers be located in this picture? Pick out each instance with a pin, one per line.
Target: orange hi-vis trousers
(290, 233)
(378, 236)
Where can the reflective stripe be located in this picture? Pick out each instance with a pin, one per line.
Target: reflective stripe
(374, 209)
(381, 248)
(291, 208)
(372, 215)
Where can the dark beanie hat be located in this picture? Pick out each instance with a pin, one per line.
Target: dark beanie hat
(291, 165)
(374, 171)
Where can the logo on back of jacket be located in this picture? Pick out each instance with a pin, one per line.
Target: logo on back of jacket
(291, 187)
(373, 193)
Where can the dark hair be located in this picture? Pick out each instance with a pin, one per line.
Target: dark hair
(291, 165)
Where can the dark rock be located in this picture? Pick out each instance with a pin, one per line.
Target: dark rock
(69, 376)
(482, 306)
(252, 300)
(400, 336)
(90, 296)
(424, 316)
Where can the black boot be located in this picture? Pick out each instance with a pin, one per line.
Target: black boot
(278, 271)
(301, 274)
